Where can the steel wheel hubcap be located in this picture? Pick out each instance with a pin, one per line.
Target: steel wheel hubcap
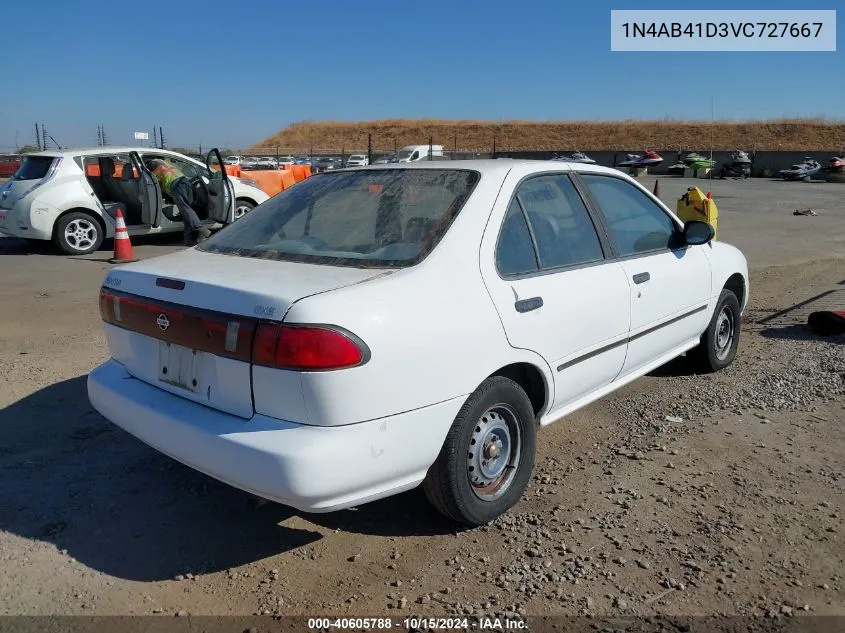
(724, 332)
(241, 210)
(80, 234)
(493, 454)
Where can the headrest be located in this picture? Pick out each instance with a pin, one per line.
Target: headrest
(107, 165)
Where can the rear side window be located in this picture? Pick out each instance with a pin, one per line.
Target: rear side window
(381, 218)
(34, 168)
(561, 224)
(515, 251)
(635, 222)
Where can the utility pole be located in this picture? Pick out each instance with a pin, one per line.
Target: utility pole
(161, 138)
(38, 137)
(369, 149)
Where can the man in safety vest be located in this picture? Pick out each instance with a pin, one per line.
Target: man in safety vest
(174, 184)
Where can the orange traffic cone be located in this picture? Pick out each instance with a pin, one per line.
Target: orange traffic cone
(122, 245)
(656, 188)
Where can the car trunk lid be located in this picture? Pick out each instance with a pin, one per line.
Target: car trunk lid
(185, 322)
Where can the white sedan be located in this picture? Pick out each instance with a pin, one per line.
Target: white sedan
(374, 329)
(72, 196)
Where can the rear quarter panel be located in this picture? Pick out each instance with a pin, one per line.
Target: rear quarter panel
(67, 190)
(432, 330)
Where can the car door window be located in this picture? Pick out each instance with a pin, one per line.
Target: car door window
(562, 227)
(191, 170)
(515, 251)
(635, 222)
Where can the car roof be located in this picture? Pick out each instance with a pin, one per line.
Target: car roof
(88, 151)
(494, 165)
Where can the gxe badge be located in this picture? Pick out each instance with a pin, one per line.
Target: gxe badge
(163, 322)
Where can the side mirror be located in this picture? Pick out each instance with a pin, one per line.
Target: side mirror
(697, 233)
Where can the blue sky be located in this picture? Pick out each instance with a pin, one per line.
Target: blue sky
(228, 73)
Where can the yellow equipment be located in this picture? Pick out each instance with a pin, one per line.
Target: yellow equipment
(695, 205)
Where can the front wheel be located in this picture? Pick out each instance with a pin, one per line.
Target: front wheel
(720, 341)
(242, 207)
(487, 458)
(78, 233)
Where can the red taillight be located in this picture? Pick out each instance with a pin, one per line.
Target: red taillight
(305, 348)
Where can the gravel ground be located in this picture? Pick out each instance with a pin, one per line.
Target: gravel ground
(679, 494)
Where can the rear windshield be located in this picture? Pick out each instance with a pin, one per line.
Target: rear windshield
(34, 168)
(388, 218)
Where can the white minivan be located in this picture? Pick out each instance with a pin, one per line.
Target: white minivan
(71, 197)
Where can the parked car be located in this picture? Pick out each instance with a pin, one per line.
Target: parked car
(72, 196)
(266, 162)
(303, 160)
(249, 162)
(357, 160)
(233, 160)
(371, 330)
(326, 163)
(286, 160)
(384, 160)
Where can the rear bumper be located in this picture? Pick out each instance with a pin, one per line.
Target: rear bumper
(311, 468)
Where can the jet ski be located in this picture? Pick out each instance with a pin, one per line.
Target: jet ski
(693, 160)
(697, 161)
(803, 171)
(645, 159)
(740, 157)
(739, 166)
(677, 169)
(576, 157)
(836, 165)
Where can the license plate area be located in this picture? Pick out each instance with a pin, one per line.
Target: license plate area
(179, 366)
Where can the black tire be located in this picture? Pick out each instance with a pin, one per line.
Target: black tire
(85, 240)
(243, 206)
(714, 352)
(497, 401)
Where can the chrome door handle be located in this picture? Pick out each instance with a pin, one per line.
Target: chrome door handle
(640, 278)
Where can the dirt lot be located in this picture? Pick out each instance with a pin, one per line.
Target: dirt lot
(679, 494)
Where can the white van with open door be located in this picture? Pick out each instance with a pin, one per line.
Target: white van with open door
(71, 197)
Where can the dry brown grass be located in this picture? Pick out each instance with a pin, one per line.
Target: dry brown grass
(785, 134)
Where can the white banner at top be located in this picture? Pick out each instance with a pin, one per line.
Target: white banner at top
(719, 30)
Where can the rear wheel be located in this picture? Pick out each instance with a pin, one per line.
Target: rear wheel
(487, 458)
(719, 343)
(78, 233)
(242, 207)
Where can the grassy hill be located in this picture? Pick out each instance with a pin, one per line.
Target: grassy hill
(785, 134)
